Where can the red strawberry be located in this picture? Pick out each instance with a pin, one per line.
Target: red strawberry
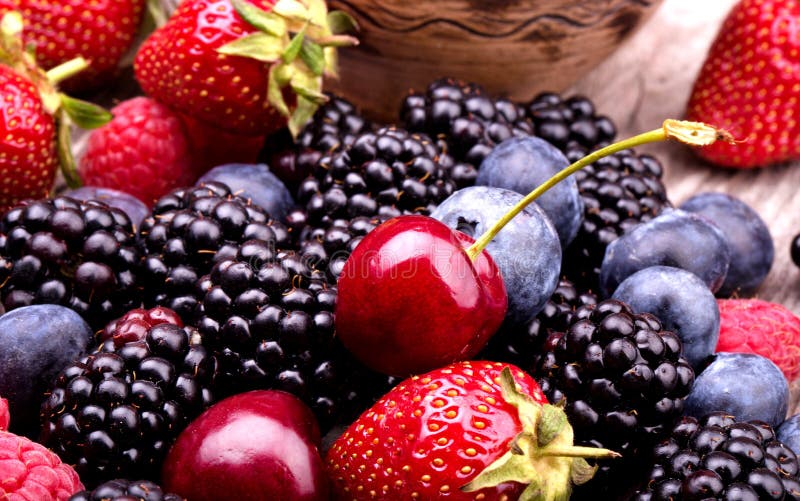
(761, 327)
(471, 430)
(101, 31)
(143, 151)
(749, 85)
(245, 66)
(30, 471)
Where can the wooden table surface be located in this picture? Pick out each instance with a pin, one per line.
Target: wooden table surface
(650, 78)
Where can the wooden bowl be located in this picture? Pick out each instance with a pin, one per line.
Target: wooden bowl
(514, 48)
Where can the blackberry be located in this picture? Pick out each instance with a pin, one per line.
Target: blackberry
(717, 457)
(465, 120)
(268, 318)
(188, 231)
(79, 254)
(521, 345)
(570, 124)
(334, 126)
(115, 413)
(125, 490)
(623, 379)
(618, 192)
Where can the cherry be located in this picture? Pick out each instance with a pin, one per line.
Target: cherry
(261, 444)
(416, 295)
(411, 299)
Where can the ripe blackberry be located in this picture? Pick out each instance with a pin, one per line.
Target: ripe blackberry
(618, 192)
(623, 379)
(188, 231)
(570, 124)
(116, 412)
(717, 457)
(79, 254)
(268, 318)
(126, 490)
(335, 125)
(465, 120)
(521, 345)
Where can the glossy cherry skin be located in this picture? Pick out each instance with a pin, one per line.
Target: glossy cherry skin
(411, 300)
(258, 445)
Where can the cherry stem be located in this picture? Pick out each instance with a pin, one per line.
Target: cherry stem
(692, 133)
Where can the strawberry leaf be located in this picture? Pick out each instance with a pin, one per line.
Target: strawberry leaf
(293, 49)
(341, 22)
(301, 115)
(67, 161)
(308, 86)
(314, 57)
(582, 471)
(274, 91)
(84, 114)
(291, 9)
(267, 22)
(551, 423)
(259, 46)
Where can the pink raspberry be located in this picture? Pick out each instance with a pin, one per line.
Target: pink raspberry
(761, 327)
(30, 471)
(5, 416)
(143, 151)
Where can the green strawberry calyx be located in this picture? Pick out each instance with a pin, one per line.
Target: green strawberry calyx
(66, 110)
(298, 40)
(542, 456)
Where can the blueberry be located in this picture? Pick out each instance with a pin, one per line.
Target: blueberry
(682, 302)
(256, 182)
(744, 385)
(789, 433)
(527, 251)
(521, 164)
(129, 204)
(674, 238)
(752, 249)
(36, 343)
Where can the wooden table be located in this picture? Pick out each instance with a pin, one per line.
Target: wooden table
(650, 78)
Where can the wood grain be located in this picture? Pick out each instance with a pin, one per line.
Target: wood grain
(513, 47)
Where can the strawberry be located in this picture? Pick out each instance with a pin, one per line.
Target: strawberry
(248, 67)
(143, 151)
(471, 430)
(761, 327)
(101, 31)
(36, 119)
(749, 85)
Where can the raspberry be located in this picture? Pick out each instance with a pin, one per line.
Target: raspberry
(143, 151)
(30, 471)
(767, 329)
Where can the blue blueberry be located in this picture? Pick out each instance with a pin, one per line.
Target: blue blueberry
(36, 343)
(674, 238)
(752, 249)
(789, 433)
(745, 385)
(682, 302)
(527, 250)
(521, 164)
(129, 204)
(256, 182)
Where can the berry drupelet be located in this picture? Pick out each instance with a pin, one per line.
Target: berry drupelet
(521, 345)
(334, 126)
(716, 457)
(116, 412)
(570, 124)
(623, 379)
(465, 121)
(79, 254)
(618, 192)
(188, 231)
(126, 490)
(268, 318)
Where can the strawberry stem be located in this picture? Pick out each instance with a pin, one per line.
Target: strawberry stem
(692, 133)
(66, 70)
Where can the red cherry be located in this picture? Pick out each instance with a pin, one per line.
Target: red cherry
(257, 445)
(411, 299)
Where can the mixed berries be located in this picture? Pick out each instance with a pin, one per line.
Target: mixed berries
(261, 293)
